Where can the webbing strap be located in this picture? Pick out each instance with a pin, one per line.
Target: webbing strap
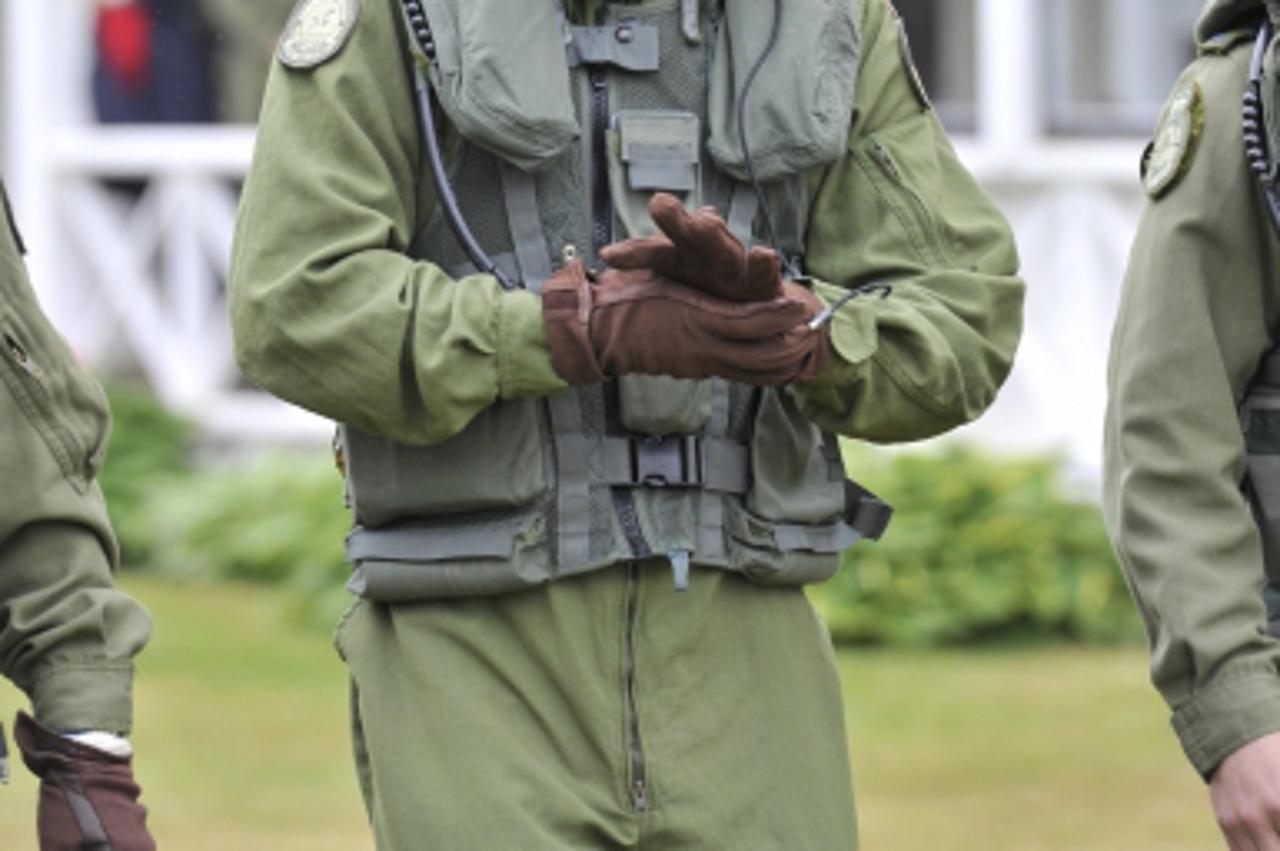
(711, 503)
(417, 543)
(630, 46)
(92, 833)
(865, 512)
(573, 489)
(520, 195)
(743, 206)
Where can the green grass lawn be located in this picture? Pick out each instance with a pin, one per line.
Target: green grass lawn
(242, 742)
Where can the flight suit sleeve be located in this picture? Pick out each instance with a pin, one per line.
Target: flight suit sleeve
(327, 309)
(67, 636)
(1198, 304)
(929, 351)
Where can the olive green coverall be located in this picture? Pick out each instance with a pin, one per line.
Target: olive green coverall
(604, 711)
(67, 636)
(1200, 306)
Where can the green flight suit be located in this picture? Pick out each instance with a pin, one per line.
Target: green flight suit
(67, 636)
(1200, 306)
(605, 710)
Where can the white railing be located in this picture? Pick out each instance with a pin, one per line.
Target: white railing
(146, 275)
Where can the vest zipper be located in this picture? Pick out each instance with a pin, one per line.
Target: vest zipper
(601, 235)
(602, 204)
(638, 785)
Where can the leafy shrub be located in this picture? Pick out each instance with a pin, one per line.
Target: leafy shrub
(277, 519)
(980, 548)
(149, 447)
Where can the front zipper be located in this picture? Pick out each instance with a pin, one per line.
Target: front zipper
(929, 243)
(638, 785)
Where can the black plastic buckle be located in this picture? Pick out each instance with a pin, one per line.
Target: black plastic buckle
(674, 461)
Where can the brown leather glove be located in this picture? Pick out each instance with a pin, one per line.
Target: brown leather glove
(638, 321)
(699, 251)
(88, 798)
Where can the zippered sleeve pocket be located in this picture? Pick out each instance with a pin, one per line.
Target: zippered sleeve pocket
(893, 182)
(59, 399)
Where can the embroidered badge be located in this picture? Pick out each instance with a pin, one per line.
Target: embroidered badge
(316, 31)
(1171, 153)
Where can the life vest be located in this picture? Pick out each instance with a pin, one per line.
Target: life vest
(559, 135)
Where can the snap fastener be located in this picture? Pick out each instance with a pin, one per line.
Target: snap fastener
(624, 34)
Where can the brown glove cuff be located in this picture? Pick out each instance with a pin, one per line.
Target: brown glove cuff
(566, 312)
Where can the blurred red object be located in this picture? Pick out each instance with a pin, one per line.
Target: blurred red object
(124, 42)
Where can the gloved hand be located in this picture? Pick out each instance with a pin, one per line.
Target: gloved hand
(638, 321)
(699, 251)
(124, 41)
(88, 798)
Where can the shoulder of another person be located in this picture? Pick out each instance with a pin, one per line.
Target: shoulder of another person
(1200, 120)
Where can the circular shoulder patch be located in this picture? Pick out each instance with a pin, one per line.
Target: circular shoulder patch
(1174, 147)
(316, 31)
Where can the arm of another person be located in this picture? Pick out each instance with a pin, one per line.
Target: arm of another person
(327, 309)
(900, 210)
(67, 636)
(1198, 304)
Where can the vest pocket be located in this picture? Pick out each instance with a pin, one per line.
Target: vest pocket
(496, 462)
(60, 400)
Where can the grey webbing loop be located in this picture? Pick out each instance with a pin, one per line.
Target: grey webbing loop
(4, 758)
(711, 502)
(865, 512)
(416, 543)
(689, 21)
(629, 46)
(573, 489)
(520, 195)
(87, 819)
(742, 213)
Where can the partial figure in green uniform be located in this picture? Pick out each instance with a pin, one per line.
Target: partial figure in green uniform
(591, 289)
(1192, 440)
(67, 636)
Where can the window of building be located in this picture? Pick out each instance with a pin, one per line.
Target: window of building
(942, 34)
(1111, 63)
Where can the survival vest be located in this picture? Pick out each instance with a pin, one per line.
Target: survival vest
(558, 136)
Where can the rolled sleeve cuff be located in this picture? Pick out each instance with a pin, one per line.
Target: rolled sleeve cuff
(1220, 720)
(84, 696)
(524, 361)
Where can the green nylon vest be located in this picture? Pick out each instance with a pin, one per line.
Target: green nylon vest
(532, 490)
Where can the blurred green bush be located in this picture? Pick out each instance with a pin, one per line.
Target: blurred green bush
(981, 548)
(275, 518)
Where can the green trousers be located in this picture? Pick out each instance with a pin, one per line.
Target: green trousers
(603, 712)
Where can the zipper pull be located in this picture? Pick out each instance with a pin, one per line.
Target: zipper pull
(680, 568)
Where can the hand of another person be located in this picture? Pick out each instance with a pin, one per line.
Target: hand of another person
(88, 797)
(638, 321)
(1245, 792)
(699, 251)
(124, 41)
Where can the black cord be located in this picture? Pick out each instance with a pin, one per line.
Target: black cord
(1256, 152)
(421, 30)
(788, 264)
